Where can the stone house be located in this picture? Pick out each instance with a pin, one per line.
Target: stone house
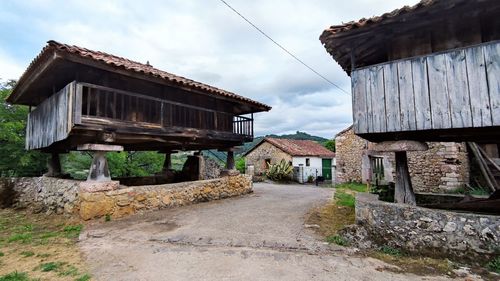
(443, 167)
(309, 158)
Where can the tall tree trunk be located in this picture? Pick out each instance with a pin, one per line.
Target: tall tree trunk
(404, 191)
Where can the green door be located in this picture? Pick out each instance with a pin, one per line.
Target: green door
(327, 168)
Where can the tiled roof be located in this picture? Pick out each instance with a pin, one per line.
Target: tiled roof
(301, 147)
(335, 29)
(138, 67)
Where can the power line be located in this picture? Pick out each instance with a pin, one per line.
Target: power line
(283, 48)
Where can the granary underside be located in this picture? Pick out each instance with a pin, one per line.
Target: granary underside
(426, 73)
(80, 96)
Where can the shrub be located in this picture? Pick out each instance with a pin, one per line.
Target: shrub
(344, 199)
(388, 250)
(280, 171)
(240, 164)
(336, 239)
(494, 265)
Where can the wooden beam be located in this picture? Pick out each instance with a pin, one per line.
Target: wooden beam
(404, 190)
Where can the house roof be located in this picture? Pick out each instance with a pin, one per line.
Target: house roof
(367, 41)
(297, 147)
(127, 65)
(344, 131)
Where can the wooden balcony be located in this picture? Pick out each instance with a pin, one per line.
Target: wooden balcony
(83, 112)
(451, 95)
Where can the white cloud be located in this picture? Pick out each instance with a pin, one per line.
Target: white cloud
(205, 41)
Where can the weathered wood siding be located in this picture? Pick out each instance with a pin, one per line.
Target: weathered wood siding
(52, 120)
(456, 89)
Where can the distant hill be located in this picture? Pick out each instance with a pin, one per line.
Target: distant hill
(221, 156)
(297, 136)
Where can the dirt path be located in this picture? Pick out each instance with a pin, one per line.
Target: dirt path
(260, 236)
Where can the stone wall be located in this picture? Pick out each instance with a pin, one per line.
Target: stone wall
(258, 156)
(52, 195)
(125, 201)
(431, 232)
(348, 153)
(40, 194)
(443, 167)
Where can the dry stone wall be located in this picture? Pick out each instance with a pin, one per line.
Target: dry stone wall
(438, 233)
(52, 195)
(443, 167)
(258, 156)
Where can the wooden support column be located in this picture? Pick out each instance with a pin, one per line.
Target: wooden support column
(404, 190)
(230, 160)
(54, 166)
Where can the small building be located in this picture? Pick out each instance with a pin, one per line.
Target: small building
(82, 99)
(444, 167)
(309, 158)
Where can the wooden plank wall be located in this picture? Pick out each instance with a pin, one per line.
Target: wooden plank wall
(454, 89)
(52, 120)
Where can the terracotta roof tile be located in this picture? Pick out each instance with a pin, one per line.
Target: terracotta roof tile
(301, 147)
(134, 66)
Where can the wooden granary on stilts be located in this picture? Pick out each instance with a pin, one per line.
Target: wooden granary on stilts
(87, 100)
(430, 72)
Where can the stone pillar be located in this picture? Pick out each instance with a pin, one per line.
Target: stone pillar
(167, 164)
(53, 166)
(404, 190)
(99, 170)
(230, 160)
(99, 178)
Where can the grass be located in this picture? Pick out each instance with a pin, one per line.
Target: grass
(337, 239)
(344, 199)
(354, 186)
(2, 254)
(27, 254)
(388, 250)
(15, 276)
(494, 265)
(41, 242)
(84, 277)
(474, 190)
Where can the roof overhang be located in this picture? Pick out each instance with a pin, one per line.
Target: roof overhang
(368, 41)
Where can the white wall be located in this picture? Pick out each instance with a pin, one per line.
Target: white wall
(315, 165)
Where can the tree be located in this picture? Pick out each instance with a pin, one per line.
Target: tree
(330, 145)
(14, 159)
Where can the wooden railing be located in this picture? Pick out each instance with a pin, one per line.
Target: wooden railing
(109, 103)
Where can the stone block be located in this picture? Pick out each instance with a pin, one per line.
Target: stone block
(97, 186)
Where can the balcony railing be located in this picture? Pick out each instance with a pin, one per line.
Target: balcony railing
(108, 103)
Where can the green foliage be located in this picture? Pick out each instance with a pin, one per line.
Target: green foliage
(494, 265)
(240, 164)
(280, 171)
(72, 231)
(50, 266)
(473, 190)
(330, 145)
(2, 254)
(358, 187)
(27, 254)
(15, 276)
(337, 239)
(21, 237)
(84, 277)
(14, 159)
(310, 179)
(121, 164)
(107, 217)
(388, 250)
(343, 198)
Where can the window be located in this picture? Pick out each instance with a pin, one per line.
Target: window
(267, 162)
(308, 162)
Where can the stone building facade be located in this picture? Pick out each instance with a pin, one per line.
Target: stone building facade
(443, 167)
(266, 152)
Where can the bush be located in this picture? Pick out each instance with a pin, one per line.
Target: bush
(337, 239)
(494, 265)
(280, 171)
(240, 164)
(344, 199)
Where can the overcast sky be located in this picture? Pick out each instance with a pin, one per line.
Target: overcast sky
(205, 41)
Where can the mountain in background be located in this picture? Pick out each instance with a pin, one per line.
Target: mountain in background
(221, 156)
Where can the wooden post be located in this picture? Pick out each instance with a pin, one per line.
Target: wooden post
(230, 160)
(54, 166)
(404, 191)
